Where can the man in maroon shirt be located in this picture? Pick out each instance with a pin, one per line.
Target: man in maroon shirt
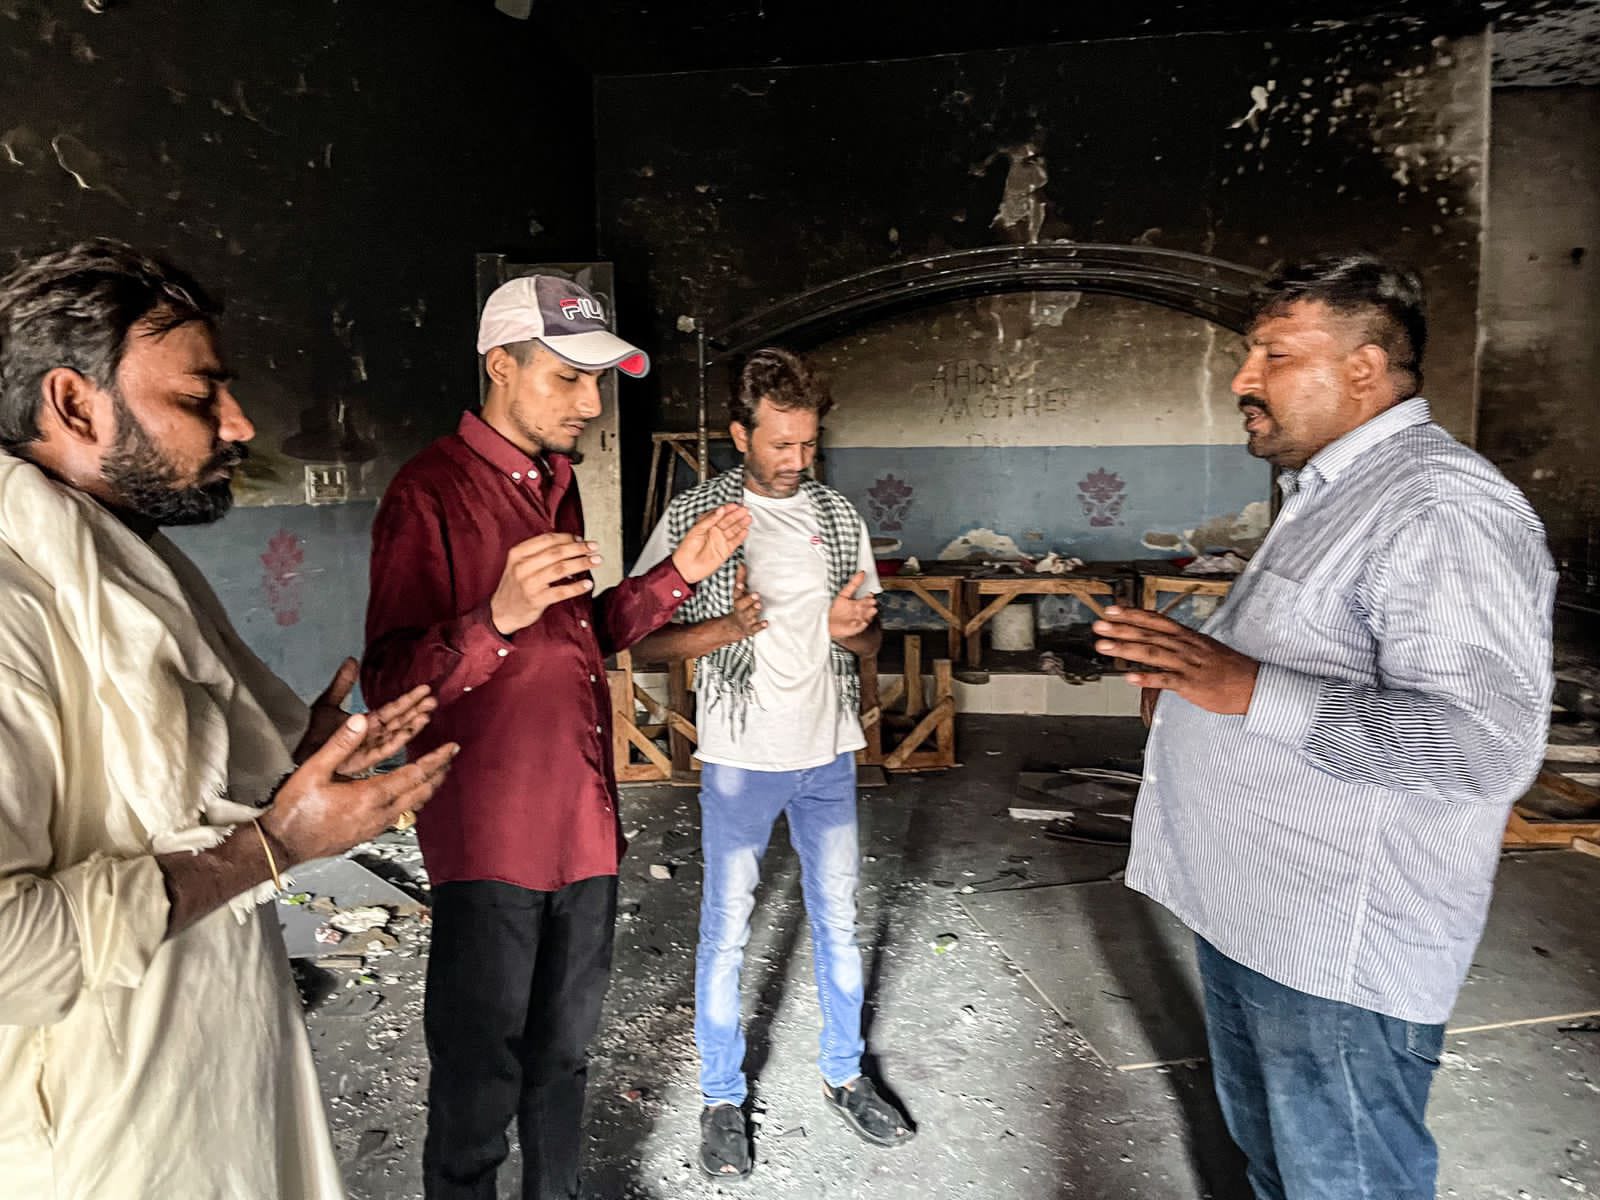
(481, 589)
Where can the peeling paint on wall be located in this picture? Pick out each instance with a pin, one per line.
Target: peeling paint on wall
(1022, 204)
(983, 544)
(1242, 531)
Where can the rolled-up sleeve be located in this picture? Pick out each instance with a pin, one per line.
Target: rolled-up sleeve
(1460, 603)
(63, 930)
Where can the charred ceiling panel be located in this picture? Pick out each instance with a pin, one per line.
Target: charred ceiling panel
(330, 167)
(723, 192)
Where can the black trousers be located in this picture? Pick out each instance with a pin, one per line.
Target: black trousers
(515, 983)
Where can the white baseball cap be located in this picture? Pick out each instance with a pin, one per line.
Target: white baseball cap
(563, 318)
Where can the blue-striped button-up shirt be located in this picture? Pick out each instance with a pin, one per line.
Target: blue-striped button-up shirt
(1341, 837)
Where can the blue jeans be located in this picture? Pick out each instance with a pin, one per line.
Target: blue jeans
(737, 811)
(1325, 1099)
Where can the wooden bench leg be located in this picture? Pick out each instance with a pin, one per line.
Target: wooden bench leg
(913, 676)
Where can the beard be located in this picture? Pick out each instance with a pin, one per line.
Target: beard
(567, 449)
(145, 482)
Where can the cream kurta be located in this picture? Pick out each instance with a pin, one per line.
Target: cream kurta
(132, 1066)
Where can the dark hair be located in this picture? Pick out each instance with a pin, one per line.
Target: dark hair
(781, 379)
(1388, 298)
(74, 308)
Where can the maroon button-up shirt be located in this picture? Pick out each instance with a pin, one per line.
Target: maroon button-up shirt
(532, 798)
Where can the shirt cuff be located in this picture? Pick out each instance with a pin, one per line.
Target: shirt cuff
(666, 583)
(1283, 704)
(120, 908)
(479, 642)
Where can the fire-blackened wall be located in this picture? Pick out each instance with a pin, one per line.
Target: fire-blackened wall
(331, 167)
(722, 192)
(1541, 357)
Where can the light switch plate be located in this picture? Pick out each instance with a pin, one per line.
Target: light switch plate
(327, 484)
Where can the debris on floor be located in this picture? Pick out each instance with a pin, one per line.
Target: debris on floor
(977, 1004)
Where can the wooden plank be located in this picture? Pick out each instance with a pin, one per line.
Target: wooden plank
(916, 588)
(650, 704)
(680, 705)
(1183, 594)
(650, 491)
(925, 760)
(891, 693)
(943, 692)
(1568, 789)
(896, 758)
(641, 773)
(1043, 585)
(682, 452)
(621, 714)
(986, 614)
(972, 635)
(871, 703)
(1521, 831)
(683, 727)
(912, 676)
(1088, 597)
(649, 749)
(1587, 846)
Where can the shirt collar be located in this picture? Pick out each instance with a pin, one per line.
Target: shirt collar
(492, 446)
(1335, 458)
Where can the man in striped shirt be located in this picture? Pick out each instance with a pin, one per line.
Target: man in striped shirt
(1332, 758)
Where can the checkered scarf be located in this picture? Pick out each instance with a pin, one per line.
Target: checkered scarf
(727, 672)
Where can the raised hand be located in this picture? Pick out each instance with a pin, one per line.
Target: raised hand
(316, 814)
(710, 541)
(539, 573)
(848, 616)
(745, 619)
(1201, 669)
(388, 729)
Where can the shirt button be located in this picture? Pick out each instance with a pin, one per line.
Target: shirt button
(594, 679)
(502, 652)
(466, 689)
(598, 729)
(676, 594)
(533, 474)
(516, 474)
(583, 624)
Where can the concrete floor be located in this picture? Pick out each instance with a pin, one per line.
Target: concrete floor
(1010, 1101)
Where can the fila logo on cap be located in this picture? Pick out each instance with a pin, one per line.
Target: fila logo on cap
(581, 306)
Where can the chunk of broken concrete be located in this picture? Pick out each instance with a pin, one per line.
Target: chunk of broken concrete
(359, 920)
(662, 870)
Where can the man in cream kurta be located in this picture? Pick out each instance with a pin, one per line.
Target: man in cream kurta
(151, 1042)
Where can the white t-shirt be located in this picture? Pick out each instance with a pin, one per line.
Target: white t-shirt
(794, 721)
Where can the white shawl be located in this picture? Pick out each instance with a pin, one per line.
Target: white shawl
(214, 755)
(133, 721)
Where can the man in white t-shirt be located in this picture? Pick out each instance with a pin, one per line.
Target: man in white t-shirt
(777, 632)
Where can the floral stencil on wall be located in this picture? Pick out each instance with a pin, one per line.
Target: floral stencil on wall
(889, 500)
(282, 576)
(1102, 494)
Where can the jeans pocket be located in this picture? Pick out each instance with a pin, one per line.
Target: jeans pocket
(1425, 1042)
